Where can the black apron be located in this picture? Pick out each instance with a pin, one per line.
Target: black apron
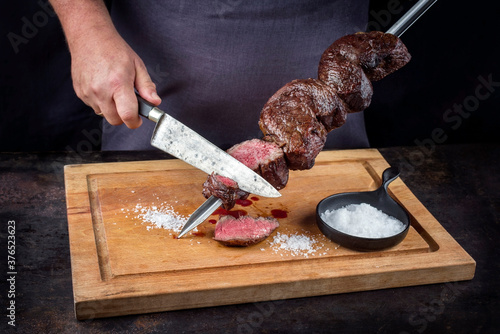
(216, 63)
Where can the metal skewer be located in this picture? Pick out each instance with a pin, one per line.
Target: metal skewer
(398, 28)
(202, 213)
(410, 17)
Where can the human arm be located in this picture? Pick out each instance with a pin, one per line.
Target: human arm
(104, 67)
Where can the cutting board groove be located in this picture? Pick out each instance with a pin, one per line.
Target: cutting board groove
(121, 265)
(99, 230)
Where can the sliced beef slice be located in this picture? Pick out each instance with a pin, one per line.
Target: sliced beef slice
(243, 231)
(265, 158)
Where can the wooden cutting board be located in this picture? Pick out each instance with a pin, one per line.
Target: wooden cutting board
(123, 264)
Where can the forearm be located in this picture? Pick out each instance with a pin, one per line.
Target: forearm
(104, 68)
(82, 19)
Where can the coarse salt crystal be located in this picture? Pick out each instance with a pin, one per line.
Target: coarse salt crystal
(164, 217)
(296, 244)
(362, 220)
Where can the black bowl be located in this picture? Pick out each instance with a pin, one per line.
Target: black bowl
(379, 199)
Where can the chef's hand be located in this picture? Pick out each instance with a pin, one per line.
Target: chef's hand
(105, 71)
(104, 67)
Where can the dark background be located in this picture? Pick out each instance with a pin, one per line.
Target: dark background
(452, 45)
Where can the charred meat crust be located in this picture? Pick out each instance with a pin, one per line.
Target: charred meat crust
(299, 116)
(223, 188)
(379, 54)
(294, 127)
(353, 61)
(348, 79)
(323, 100)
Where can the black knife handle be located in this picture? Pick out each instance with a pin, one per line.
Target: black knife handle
(144, 106)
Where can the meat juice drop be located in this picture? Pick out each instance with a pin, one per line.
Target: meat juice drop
(244, 202)
(277, 213)
(234, 213)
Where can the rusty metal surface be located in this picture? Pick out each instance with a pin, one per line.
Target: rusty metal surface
(457, 183)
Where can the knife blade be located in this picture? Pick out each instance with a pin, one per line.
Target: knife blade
(177, 139)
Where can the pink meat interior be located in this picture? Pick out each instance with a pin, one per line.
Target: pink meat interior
(226, 181)
(244, 228)
(253, 153)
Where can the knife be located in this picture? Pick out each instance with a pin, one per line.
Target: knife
(177, 139)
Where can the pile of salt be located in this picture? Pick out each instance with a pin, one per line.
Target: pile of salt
(362, 220)
(164, 217)
(296, 244)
